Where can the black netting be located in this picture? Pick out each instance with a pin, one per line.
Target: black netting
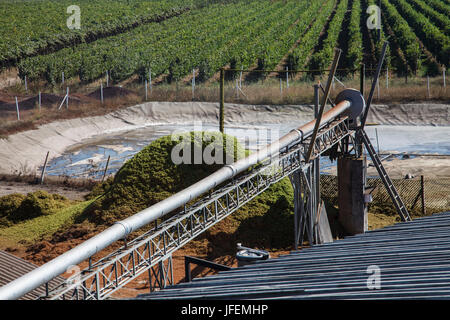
(427, 196)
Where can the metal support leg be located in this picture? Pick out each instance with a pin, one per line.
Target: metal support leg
(310, 205)
(316, 197)
(306, 197)
(295, 180)
(161, 275)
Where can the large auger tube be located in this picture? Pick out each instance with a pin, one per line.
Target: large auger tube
(350, 103)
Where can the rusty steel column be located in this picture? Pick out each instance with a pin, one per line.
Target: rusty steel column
(351, 199)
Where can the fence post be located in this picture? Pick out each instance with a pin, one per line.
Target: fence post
(150, 79)
(193, 84)
(39, 99)
(106, 168)
(387, 77)
(43, 168)
(26, 86)
(67, 99)
(443, 74)
(101, 92)
(281, 87)
(240, 77)
(62, 102)
(17, 110)
(362, 78)
(422, 186)
(287, 77)
(222, 100)
(145, 84)
(378, 89)
(107, 78)
(428, 87)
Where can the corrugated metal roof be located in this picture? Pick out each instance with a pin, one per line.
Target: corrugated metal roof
(413, 260)
(12, 267)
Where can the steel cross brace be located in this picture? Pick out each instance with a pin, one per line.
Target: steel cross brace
(302, 206)
(154, 247)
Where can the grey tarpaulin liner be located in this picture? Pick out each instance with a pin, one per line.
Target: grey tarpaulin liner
(25, 151)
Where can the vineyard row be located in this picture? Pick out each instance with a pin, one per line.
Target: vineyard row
(256, 34)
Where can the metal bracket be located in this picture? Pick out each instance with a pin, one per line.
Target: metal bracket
(200, 262)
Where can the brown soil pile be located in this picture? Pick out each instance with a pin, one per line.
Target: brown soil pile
(6, 97)
(113, 93)
(46, 250)
(48, 100)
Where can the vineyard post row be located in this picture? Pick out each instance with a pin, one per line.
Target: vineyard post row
(148, 84)
(222, 85)
(362, 71)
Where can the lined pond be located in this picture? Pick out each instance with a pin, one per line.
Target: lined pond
(89, 158)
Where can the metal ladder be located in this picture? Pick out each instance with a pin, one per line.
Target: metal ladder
(396, 199)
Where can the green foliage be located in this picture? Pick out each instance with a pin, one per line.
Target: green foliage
(264, 222)
(24, 31)
(354, 54)
(100, 189)
(49, 74)
(35, 204)
(280, 34)
(435, 40)
(5, 222)
(151, 175)
(9, 204)
(440, 6)
(322, 59)
(247, 32)
(405, 37)
(31, 230)
(267, 220)
(438, 19)
(176, 46)
(292, 61)
(309, 40)
(378, 37)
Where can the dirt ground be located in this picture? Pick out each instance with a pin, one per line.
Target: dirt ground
(45, 251)
(430, 167)
(9, 187)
